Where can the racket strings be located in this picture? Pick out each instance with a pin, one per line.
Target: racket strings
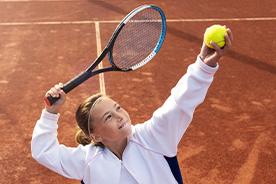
(137, 39)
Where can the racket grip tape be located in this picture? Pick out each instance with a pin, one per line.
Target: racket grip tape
(49, 100)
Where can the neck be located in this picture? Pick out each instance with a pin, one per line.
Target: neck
(117, 147)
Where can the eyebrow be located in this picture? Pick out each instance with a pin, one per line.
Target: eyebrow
(115, 104)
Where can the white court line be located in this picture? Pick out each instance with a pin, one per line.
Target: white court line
(18, 1)
(118, 21)
(99, 50)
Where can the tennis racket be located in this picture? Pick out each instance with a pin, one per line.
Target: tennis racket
(135, 41)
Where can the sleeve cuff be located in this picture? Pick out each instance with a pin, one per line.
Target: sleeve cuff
(49, 116)
(205, 67)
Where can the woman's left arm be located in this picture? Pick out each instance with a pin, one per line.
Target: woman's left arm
(165, 129)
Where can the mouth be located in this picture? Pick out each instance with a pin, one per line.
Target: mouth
(122, 125)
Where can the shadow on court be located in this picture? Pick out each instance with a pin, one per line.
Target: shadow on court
(109, 7)
(245, 59)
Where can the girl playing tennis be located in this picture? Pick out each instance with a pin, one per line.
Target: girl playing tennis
(113, 151)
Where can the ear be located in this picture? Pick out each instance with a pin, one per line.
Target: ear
(96, 138)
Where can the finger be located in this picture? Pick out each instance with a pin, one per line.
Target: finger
(54, 92)
(228, 42)
(50, 93)
(57, 87)
(204, 50)
(61, 89)
(62, 92)
(62, 95)
(215, 57)
(217, 48)
(230, 34)
(61, 85)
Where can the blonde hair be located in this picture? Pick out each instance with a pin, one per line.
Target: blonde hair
(83, 118)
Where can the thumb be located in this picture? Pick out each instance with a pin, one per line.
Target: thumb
(218, 50)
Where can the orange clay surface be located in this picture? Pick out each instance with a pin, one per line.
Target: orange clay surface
(232, 136)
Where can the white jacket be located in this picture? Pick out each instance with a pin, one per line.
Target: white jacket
(143, 158)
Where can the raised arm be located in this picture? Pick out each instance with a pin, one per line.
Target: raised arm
(165, 129)
(46, 149)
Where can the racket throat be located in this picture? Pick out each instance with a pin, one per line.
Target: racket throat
(76, 81)
(97, 61)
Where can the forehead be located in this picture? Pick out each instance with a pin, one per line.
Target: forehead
(102, 106)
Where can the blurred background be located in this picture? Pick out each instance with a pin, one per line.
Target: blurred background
(232, 136)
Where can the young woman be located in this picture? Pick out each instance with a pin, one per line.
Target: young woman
(113, 151)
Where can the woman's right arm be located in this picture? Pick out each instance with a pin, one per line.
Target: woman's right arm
(46, 149)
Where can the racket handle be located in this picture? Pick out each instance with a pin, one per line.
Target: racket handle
(49, 100)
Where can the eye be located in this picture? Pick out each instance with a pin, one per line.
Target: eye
(118, 107)
(108, 117)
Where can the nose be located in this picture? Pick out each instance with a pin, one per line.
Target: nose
(118, 116)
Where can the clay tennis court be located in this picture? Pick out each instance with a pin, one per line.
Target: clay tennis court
(232, 136)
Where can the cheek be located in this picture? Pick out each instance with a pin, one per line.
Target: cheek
(126, 114)
(110, 129)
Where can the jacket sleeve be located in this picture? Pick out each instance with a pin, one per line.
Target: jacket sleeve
(164, 130)
(67, 161)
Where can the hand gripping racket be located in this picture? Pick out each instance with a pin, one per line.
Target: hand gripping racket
(135, 41)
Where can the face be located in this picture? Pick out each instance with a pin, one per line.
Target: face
(110, 121)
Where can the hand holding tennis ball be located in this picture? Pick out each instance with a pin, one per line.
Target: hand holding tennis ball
(215, 33)
(217, 41)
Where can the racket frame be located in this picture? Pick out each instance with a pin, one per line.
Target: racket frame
(83, 76)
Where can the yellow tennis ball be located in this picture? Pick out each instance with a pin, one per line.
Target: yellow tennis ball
(215, 33)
